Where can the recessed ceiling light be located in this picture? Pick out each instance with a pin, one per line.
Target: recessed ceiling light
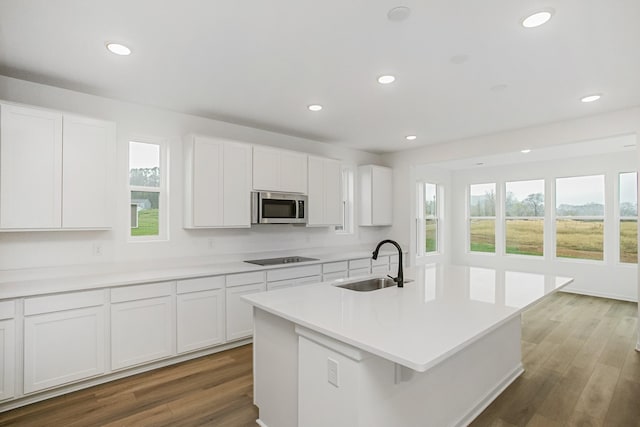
(315, 107)
(591, 98)
(410, 137)
(525, 151)
(538, 18)
(480, 164)
(385, 80)
(118, 49)
(398, 14)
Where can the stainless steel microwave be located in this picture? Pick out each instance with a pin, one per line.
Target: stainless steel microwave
(278, 208)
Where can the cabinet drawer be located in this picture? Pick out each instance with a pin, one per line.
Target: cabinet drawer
(291, 273)
(200, 284)
(359, 263)
(61, 302)
(280, 284)
(332, 267)
(245, 278)
(393, 259)
(132, 293)
(7, 310)
(335, 275)
(359, 272)
(382, 260)
(308, 280)
(380, 269)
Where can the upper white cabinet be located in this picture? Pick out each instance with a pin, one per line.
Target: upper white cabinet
(30, 168)
(218, 183)
(88, 162)
(279, 170)
(56, 170)
(376, 199)
(324, 191)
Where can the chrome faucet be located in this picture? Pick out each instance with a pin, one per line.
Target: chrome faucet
(400, 279)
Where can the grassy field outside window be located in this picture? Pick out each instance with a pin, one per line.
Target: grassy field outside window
(482, 218)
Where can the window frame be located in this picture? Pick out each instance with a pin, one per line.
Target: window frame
(542, 218)
(162, 190)
(470, 217)
(421, 240)
(603, 218)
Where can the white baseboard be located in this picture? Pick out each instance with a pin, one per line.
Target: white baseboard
(597, 294)
(260, 423)
(490, 397)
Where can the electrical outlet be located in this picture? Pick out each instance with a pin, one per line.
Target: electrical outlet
(332, 372)
(97, 249)
(210, 243)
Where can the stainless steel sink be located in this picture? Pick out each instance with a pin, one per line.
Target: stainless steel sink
(369, 284)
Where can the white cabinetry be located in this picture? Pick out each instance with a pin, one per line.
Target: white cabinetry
(293, 276)
(380, 265)
(7, 349)
(335, 270)
(30, 168)
(376, 198)
(142, 324)
(324, 191)
(50, 178)
(64, 337)
(200, 313)
(88, 163)
(239, 313)
(359, 267)
(217, 183)
(279, 170)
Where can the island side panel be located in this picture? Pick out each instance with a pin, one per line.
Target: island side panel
(275, 370)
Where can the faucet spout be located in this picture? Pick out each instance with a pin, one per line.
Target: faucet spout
(399, 279)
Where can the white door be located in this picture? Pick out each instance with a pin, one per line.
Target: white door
(315, 210)
(7, 358)
(381, 195)
(293, 172)
(141, 331)
(332, 192)
(200, 319)
(266, 169)
(207, 182)
(237, 185)
(62, 347)
(240, 313)
(88, 168)
(30, 168)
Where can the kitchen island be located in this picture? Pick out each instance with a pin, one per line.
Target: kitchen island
(434, 353)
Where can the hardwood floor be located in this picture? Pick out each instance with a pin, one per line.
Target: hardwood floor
(578, 352)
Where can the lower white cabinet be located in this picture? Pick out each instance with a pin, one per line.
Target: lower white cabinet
(141, 330)
(63, 343)
(200, 313)
(7, 358)
(239, 313)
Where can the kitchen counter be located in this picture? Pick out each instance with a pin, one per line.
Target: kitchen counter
(38, 281)
(452, 334)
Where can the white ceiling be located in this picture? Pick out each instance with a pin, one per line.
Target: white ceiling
(260, 63)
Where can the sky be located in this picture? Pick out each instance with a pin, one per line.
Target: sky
(521, 189)
(580, 190)
(142, 155)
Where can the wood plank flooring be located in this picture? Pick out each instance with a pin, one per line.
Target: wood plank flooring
(578, 352)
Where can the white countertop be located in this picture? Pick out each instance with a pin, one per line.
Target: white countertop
(444, 309)
(38, 281)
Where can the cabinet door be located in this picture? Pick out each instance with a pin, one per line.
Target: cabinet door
(7, 358)
(200, 320)
(332, 192)
(63, 347)
(240, 313)
(266, 169)
(141, 331)
(30, 168)
(207, 182)
(381, 195)
(293, 172)
(237, 185)
(88, 160)
(315, 212)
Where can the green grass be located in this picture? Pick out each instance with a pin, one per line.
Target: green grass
(483, 235)
(431, 236)
(629, 241)
(147, 223)
(525, 237)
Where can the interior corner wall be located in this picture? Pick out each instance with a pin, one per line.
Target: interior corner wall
(59, 248)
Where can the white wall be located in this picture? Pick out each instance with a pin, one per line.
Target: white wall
(39, 249)
(608, 278)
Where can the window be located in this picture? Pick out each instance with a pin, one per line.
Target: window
(428, 205)
(147, 190)
(347, 201)
(482, 217)
(580, 217)
(524, 217)
(628, 212)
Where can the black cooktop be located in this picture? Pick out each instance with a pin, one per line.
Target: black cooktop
(283, 260)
